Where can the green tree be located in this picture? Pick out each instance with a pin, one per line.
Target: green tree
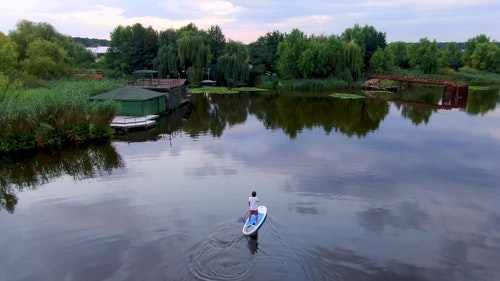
(233, 66)
(46, 60)
(80, 57)
(451, 56)
(400, 51)
(486, 57)
(132, 48)
(41, 34)
(470, 47)
(8, 54)
(27, 32)
(193, 53)
(216, 41)
(8, 66)
(167, 60)
(350, 62)
(289, 53)
(308, 58)
(264, 52)
(382, 60)
(423, 56)
(368, 38)
(329, 56)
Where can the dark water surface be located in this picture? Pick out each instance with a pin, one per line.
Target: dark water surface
(355, 190)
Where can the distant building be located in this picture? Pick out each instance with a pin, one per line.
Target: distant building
(98, 51)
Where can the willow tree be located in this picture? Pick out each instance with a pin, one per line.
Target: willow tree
(349, 62)
(193, 55)
(368, 38)
(8, 64)
(45, 53)
(46, 59)
(27, 32)
(167, 60)
(289, 53)
(233, 67)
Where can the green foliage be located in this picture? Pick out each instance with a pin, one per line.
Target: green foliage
(302, 84)
(8, 54)
(476, 77)
(470, 47)
(346, 96)
(167, 60)
(55, 116)
(289, 52)
(400, 51)
(350, 63)
(451, 56)
(43, 53)
(264, 53)
(46, 60)
(132, 48)
(216, 41)
(423, 56)
(486, 57)
(193, 53)
(233, 66)
(382, 60)
(368, 38)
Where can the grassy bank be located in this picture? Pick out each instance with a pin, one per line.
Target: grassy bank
(465, 75)
(302, 84)
(56, 115)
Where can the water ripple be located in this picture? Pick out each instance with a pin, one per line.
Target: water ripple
(222, 256)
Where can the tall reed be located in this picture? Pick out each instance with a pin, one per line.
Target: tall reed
(54, 116)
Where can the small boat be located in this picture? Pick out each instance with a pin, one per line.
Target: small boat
(126, 123)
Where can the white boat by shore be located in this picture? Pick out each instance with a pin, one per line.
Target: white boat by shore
(125, 123)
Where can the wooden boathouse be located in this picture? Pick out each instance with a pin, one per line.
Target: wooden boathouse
(144, 99)
(174, 89)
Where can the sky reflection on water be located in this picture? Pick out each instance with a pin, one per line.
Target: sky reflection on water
(402, 202)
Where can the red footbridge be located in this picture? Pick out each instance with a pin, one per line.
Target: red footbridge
(454, 93)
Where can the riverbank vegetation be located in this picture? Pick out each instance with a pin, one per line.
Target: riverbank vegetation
(295, 60)
(56, 115)
(42, 105)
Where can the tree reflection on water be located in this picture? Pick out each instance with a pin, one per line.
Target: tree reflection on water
(28, 171)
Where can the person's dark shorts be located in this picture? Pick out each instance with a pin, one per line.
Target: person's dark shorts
(254, 212)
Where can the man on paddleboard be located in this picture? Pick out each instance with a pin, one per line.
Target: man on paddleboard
(253, 204)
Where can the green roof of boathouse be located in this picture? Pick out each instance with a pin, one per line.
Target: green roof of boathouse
(128, 94)
(135, 101)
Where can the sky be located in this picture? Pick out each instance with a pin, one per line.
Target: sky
(247, 20)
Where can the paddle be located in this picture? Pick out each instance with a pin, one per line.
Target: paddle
(245, 216)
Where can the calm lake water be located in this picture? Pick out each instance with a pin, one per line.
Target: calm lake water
(355, 190)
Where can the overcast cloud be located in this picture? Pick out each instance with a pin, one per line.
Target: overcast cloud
(245, 21)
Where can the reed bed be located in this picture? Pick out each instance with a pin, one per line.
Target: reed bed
(58, 115)
(302, 84)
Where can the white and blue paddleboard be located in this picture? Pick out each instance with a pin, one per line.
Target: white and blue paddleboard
(250, 227)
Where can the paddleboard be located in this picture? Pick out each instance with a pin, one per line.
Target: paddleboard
(250, 227)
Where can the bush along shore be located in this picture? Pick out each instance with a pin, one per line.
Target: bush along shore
(57, 115)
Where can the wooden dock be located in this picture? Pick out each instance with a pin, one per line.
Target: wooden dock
(156, 84)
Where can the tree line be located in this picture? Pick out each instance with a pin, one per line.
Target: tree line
(37, 51)
(196, 54)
